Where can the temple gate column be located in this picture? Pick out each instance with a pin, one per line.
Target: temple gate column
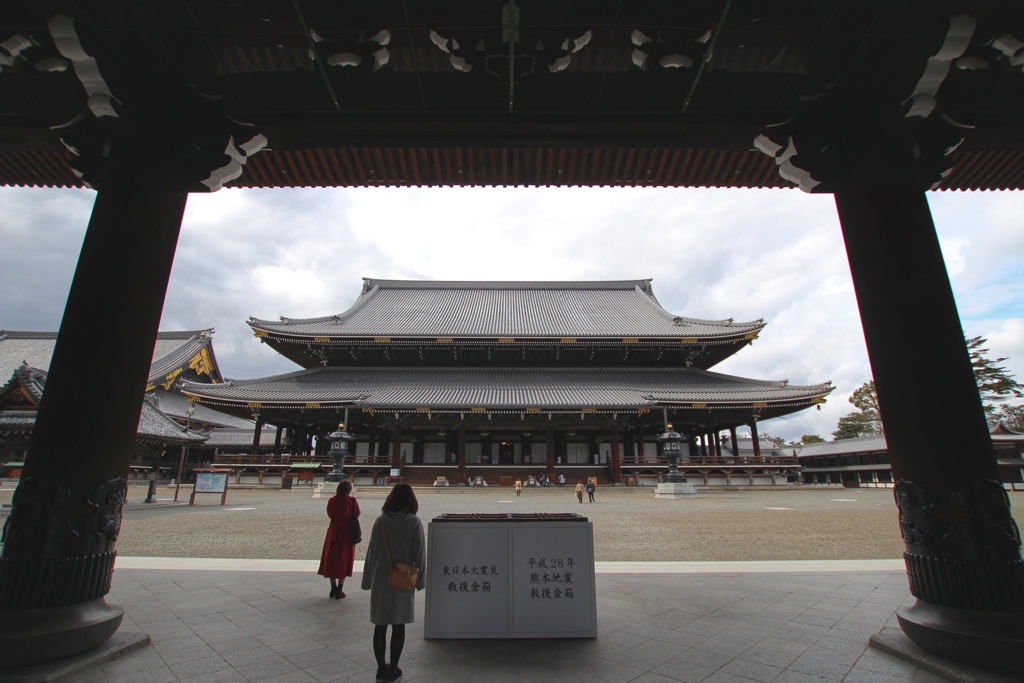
(733, 441)
(61, 535)
(641, 452)
(962, 546)
(718, 447)
(616, 463)
(277, 440)
(461, 453)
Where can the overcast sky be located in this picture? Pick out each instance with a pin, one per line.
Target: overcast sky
(742, 254)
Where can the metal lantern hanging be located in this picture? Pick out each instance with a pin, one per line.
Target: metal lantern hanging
(671, 447)
(339, 439)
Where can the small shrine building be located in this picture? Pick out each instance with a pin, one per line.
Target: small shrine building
(489, 381)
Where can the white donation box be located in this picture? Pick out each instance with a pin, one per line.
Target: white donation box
(510, 576)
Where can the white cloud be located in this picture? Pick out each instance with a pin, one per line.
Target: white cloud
(712, 253)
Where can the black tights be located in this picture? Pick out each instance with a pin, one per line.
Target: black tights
(397, 643)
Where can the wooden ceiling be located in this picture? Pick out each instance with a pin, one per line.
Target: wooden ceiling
(600, 93)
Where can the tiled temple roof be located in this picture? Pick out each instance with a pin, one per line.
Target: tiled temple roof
(172, 350)
(862, 444)
(416, 308)
(154, 426)
(459, 388)
(236, 437)
(176, 406)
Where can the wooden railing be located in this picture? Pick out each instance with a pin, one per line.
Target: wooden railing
(268, 459)
(708, 461)
(367, 460)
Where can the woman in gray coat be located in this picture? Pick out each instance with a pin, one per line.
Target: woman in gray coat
(391, 606)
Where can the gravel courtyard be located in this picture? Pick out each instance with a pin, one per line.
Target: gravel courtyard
(629, 525)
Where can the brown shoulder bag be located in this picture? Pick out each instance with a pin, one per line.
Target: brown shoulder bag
(403, 575)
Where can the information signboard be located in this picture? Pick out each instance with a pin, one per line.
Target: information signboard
(521, 576)
(210, 481)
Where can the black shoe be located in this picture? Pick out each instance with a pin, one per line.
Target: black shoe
(340, 594)
(394, 675)
(382, 673)
(334, 592)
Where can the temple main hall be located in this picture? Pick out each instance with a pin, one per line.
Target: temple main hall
(474, 382)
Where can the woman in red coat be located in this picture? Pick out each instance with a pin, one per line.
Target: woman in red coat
(339, 550)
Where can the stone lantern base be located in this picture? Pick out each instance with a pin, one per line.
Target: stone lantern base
(667, 489)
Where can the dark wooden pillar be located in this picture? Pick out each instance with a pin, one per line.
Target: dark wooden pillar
(277, 440)
(549, 435)
(962, 547)
(61, 535)
(384, 445)
(733, 441)
(717, 443)
(616, 463)
(371, 443)
(485, 448)
(257, 432)
(626, 447)
(757, 440)
(417, 448)
(460, 454)
(396, 446)
(641, 453)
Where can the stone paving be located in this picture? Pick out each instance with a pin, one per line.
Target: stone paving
(788, 627)
(801, 615)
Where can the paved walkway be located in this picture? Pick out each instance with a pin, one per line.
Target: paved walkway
(737, 622)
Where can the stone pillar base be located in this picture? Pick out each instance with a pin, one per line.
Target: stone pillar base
(993, 640)
(31, 636)
(675, 490)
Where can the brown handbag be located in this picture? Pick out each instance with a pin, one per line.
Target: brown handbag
(403, 575)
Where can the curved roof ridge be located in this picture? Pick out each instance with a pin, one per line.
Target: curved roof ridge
(529, 308)
(254, 321)
(724, 322)
(648, 297)
(243, 382)
(768, 382)
(364, 298)
(507, 284)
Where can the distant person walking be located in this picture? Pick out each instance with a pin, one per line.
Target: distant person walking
(590, 490)
(397, 535)
(561, 480)
(519, 487)
(579, 491)
(339, 551)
